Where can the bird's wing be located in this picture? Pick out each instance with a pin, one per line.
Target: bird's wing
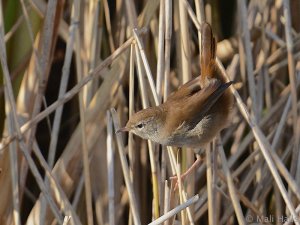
(198, 105)
(186, 90)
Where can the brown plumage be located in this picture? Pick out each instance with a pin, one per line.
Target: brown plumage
(194, 114)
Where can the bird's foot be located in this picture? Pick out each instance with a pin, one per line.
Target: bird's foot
(186, 173)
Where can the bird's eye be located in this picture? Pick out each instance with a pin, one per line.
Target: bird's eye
(140, 126)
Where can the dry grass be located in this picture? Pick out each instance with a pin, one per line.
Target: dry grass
(74, 71)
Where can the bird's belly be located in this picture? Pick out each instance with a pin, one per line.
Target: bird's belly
(200, 135)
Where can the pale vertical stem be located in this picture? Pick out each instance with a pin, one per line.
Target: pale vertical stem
(163, 178)
(90, 42)
(293, 83)
(247, 44)
(161, 53)
(131, 110)
(86, 165)
(131, 13)
(131, 154)
(185, 57)
(31, 35)
(41, 70)
(166, 201)
(154, 179)
(150, 144)
(125, 169)
(174, 171)
(47, 42)
(86, 39)
(64, 82)
(172, 159)
(84, 146)
(110, 170)
(185, 45)
(214, 182)
(168, 34)
(209, 184)
(13, 112)
(62, 91)
(146, 66)
(231, 188)
(13, 160)
(200, 12)
(180, 191)
(188, 209)
(13, 157)
(298, 132)
(141, 80)
(192, 14)
(94, 50)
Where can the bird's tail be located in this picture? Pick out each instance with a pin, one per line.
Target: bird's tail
(208, 51)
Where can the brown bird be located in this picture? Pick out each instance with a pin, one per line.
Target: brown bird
(194, 114)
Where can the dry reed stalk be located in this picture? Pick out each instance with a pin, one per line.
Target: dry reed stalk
(295, 165)
(110, 170)
(126, 173)
(63, 84)
(131, 152)
(71, 93)
(251, 81)
(13, 113)
(166, 201)
(210, 188)
(145, 103)
(231, 187)
(131, 155)
(175, 211)
(168, 34)
(180, 188)
(199, 5)
(86, 165)
(161, 52)
(58, 112)
(61, 198)
(41, 69)
(13, 147)
(84, 97)
(53, 13)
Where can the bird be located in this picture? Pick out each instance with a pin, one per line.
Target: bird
(194, 114)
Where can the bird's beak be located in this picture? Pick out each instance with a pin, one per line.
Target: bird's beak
(123, 129)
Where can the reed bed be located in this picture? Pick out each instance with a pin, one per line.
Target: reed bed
(73, 72)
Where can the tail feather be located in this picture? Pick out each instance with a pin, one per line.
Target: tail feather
(208, 51)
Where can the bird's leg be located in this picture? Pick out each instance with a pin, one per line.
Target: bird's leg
(188, 171)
